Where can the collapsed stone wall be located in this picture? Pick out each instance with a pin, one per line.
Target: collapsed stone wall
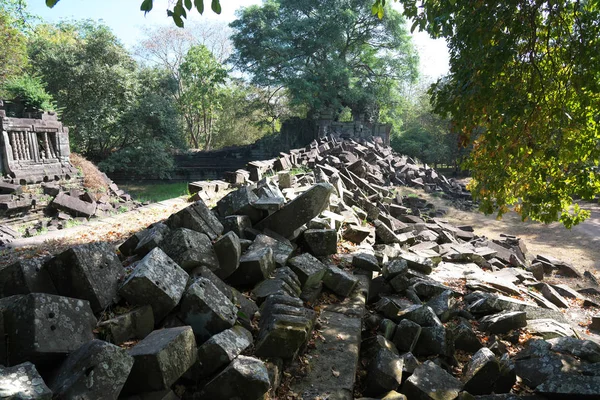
(324, 284)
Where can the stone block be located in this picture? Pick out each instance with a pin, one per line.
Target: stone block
(25, 276)
(135, 324)
(23, 382)
(503, 322)
(356, 234)
(384, 373)
(10, 188)
(158, 281)
(206, 310)
(339, 281)
(199, 218)
(481, 372)
(240, 202)
(430, 382)
(190, 249)
(394, 268)
(432, 341)
(229, 251)
(299, 211)
(221, 349)
(237, 224)
(321, 242)
(465, 338)
(91, 272)
(420, 264)
(97, 370)
(245, 378)
(406, 335)
(365, 261)
(310, 271)
(160, 359)
(73, 205)
(153, 237)
(255, 266)
(204, 272)
(127, 248)
(282, 248)
(42, 328)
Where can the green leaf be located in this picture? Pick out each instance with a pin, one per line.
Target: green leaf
(414, 26)
(188, 4)
(51, 3)
(216, 6)
(178, 21)
(146, 6)
(199, 5)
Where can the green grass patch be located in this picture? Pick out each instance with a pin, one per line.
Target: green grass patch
(155, 192)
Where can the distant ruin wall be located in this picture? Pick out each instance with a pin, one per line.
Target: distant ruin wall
(33, 149)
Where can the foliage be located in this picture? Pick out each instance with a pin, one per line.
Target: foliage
(155, 192)
(326, 53)
(200, 101)
(91, 76)
(525, 79)
(30, 91)
(13, 51)
(149, 159)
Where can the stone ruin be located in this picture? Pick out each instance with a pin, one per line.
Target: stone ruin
(358, 129)
(34, 148)
(326, 284)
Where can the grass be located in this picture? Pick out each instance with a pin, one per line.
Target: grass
(155, 192)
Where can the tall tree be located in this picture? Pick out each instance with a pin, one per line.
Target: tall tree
(525, 78)
(328, 53)
(13, 50)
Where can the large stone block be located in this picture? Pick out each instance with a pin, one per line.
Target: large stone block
(339, 281)
(299, 211)
(384, 373)
(150, 238)
(246, 378)
(160, 359)
(135, 324)
(25, 276)
(255, 266)
(91, 272)
(190, 249)
(42, 328)
(206, 310)
(23, 382)
(481, 372)
(237, 224)
(221, 349)
(197, 217)
(309, 269)
(430, 382)
(240, 202)
(321, 242)
(97, 370)
(158, 281)
(73, 205)
(228, 250)
(282, 248)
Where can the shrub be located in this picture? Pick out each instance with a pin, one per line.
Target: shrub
(151, 159)
(29, 90)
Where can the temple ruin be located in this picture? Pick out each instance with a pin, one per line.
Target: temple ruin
(34, 147)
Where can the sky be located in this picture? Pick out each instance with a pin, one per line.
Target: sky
(127, 22)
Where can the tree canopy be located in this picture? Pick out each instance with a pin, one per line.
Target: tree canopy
(327, 54)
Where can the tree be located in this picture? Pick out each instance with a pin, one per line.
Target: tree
(525, 78)
(91, 77)
(13, 51)
(327, 54)
(200, 101)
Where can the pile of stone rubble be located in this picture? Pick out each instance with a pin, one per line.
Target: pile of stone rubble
(322, 285)
(50, 206)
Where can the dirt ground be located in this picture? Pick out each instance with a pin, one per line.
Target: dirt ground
(579, 245)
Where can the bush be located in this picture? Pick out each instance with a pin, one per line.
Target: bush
(151, 159)
(29, 90)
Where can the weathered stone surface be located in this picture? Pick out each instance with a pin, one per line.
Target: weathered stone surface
(548, 328)
(42, 328)
(503, 322)
(240, 202)
(73, 205)
(190, 249)
(206, 310)
(299, 211)
(310, 270)
(127, 248)
(91, 272)
(432, 340)
(465, 338)
(281, 247)
(356, 234)
(583, 349)
(570, 386)
(152, 238)
(384, 373)
(406, 335)
(553, 296)
(135, 324)
(237, 224)
(430, 382)
(221, 349)
(481, 372)
(25, 276)
(321, 242)
(23, 382)
(229, 251)
(255, 266)
(365, 261)
(160, 359)
(97, 370)
(204, 272)
(417, 263)
(246, 378)
(422, 315)
(339, 281)
(199, 218)
(394, 268)
(158, 281)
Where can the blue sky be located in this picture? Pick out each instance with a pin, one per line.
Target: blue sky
(127, 21)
